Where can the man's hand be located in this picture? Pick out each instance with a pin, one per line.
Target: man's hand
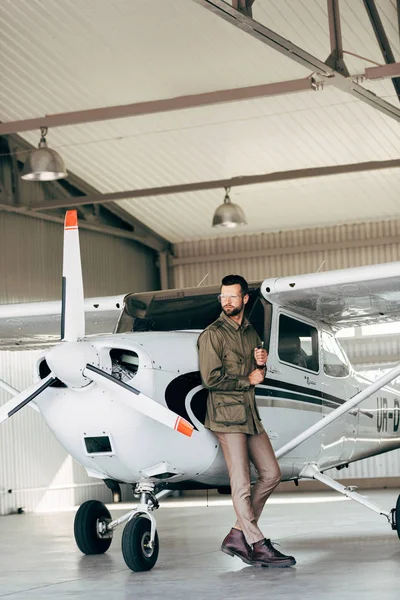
(260, 356)
(256, 376)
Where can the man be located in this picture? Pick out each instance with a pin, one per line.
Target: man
(232, 362)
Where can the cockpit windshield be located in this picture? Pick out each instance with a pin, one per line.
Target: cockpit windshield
(172, 310)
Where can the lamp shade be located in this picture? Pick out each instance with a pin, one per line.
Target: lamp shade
(228, 214)
(44, 164)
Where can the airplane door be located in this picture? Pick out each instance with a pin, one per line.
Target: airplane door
(338, 388)
(293, 384)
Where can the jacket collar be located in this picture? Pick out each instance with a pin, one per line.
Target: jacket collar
(232, 323)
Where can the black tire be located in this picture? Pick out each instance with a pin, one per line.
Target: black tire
(398, 516)
(135, 536)
(85, 528)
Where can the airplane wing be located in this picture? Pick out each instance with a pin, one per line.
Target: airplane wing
(343, 298)
(35, 324)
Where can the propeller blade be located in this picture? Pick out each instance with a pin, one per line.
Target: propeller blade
(73, 311)
(143, 404)
(23, 398)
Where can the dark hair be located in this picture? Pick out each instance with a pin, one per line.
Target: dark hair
(236, 279)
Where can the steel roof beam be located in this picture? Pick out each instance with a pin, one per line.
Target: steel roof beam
(383, 72)
(107, 113)
(382, 39)
(158, 106)
(302, 57)
(221, 183)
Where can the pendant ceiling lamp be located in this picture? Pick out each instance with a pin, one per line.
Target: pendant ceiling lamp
(228, 214)
(43, 163)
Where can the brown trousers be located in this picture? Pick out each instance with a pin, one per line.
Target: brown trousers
(239, 449)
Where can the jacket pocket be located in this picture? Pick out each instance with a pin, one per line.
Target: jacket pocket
(233, 362)
(231, 411)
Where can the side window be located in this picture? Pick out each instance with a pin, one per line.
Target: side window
(334, 359)
(298, 343)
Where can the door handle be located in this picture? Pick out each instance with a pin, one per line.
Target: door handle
(273, 370)
(309, 380)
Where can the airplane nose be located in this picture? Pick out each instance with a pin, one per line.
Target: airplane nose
(69, 359)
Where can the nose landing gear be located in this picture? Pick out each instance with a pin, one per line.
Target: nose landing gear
(140, 552)
(140, 546)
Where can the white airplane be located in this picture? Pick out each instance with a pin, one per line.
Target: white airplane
(130, 406)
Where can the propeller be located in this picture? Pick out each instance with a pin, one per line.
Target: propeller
(23, 398)
(74, 360)
(73, 311)
(144, 404)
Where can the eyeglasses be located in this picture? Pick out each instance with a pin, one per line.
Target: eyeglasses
(234, 297)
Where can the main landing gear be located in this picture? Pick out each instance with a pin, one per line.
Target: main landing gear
(311, 471)
(93, 528)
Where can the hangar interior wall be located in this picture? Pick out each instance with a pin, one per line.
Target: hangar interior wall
(257, 257)
(31, 252)
(35, 471)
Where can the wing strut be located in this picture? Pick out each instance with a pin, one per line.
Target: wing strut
(311, 471)
(338, 412)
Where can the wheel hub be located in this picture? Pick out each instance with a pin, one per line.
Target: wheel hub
(147, 549)
(102, 528)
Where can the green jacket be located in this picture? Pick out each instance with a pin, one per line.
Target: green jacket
(226, 353)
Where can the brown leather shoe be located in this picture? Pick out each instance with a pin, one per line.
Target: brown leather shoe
(265, 555)
(235, 545)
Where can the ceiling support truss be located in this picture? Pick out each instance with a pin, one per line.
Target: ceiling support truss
(335, 59)
(287, 48)
(244, 6)
(382, 39)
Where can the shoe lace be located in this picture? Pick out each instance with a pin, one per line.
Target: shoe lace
(272, 546)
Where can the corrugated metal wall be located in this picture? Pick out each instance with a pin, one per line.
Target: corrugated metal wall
(303, 251)
(35, 471)
(285, 253)
(31, 261)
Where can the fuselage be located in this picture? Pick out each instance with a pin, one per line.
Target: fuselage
(112, 440)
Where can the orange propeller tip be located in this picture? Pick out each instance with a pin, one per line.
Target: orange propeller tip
(183, 426)
(71, 219)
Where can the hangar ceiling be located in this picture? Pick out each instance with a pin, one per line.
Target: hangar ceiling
(197, 89)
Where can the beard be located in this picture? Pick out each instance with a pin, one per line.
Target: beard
(233, 311)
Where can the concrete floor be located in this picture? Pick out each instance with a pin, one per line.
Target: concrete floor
(343, 551)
